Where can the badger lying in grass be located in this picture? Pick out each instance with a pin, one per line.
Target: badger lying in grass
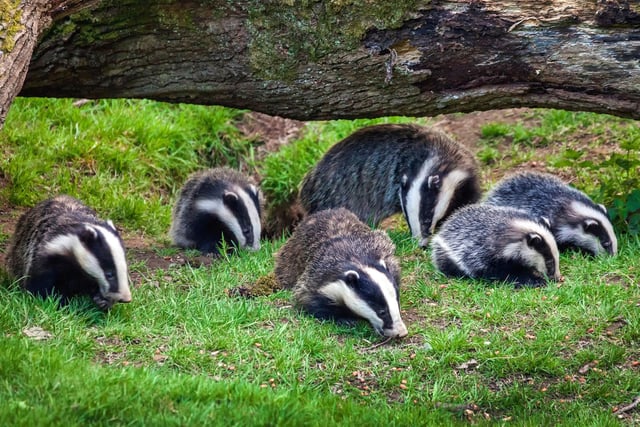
(496, 243)
(576, 221)
(61, 248)
(339, 269)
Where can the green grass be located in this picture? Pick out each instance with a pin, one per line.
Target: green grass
(185, 353)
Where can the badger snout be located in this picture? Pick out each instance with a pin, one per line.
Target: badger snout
(398, 331)
(424, 242)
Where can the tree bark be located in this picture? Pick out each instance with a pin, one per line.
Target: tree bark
(346, 59)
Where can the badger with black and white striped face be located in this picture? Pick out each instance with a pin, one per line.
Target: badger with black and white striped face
(217, 205)
(340, 269)
(496, 243)
(385, 169)
(576, 221)
(60, 247)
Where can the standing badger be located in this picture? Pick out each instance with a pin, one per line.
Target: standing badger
(342, 270)
(496, 243)
(385, 169)
(60, 247)
(576, 222)
(217, 205)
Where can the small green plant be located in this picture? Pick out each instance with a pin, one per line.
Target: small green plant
(618, 179)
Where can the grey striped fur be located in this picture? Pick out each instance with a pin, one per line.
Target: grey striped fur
(385, 169)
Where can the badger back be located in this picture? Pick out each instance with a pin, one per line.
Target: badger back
(385, 169)
(215, 205)
(496, 243)
(309, 237)
(576, 221)
(60, 246)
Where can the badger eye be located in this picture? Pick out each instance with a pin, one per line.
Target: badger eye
(246, 230)
(109, 274)
(382, 312)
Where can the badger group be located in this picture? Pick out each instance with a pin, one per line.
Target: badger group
(385, 169)
(337, 267)
(61, 248)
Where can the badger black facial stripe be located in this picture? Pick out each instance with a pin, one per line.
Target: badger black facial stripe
(254, 217)
(218, 208)
(450, 183)
(414, 196)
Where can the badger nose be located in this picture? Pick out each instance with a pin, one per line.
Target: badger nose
(399, 331)
(424, 242)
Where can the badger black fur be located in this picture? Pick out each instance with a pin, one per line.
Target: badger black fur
(217, 205)
(384, 169)
(576, 221)
(60, 247)
(496, 243)
(342, 270)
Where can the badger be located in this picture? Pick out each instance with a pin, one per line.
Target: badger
(215, 206)
(385, 169)
(339, 269)
(576, 221)
(60, 247)
(496, 243)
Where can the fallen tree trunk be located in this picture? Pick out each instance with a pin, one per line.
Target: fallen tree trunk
(348, 59)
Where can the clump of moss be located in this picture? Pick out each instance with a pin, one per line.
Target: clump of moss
(265, 285)
(10, 24)
(287, 33)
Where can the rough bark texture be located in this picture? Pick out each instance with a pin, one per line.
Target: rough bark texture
(347, 59)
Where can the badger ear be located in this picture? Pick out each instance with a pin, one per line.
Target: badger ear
(590, 225)
(534, 240)
(351, 278)
(603, 208)
(87, 234)
(229, 197)
(546, 221)
(254, 189)
(110, 223)
(433, 182)
(404, 180)
(383, 263)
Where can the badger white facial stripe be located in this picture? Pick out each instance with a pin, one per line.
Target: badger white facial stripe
(217, 207)
(341, 293)
(253, 216)
(449, 185)
(120, 261)
(414, 196)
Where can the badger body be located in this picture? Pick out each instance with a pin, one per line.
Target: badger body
(496, 243)
(60, 247)
(575, 220)
(217, 205)
(385, 169)
(340, 269)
